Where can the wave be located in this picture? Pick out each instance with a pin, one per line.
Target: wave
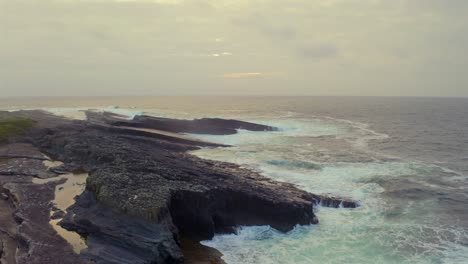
(296, 164)
(385, 229)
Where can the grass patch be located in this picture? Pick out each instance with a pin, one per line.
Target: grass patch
(14, 126)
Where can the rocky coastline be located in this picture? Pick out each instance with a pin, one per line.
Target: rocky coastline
(144, 193)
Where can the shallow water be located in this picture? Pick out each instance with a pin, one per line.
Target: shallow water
(405, 159)
(65, 197)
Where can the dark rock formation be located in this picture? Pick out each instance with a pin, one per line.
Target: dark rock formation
(58, 214)
(25, 232)
(118, 238)
(144, 191)
(213, 126)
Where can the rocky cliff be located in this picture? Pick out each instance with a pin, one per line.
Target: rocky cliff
(144, 192)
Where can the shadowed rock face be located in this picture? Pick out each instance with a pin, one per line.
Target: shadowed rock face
(145, 191)
(118, 238)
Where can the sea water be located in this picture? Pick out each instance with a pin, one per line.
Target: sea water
(399, 219)
(404, 159)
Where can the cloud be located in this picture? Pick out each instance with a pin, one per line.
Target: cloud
(237, 75)
(451, 7)
(376, 47)
(281, 32)
(271, 29)
(317, 51)
(287, 36)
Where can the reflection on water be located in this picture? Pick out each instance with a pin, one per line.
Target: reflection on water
(51, 163)
(64, 197)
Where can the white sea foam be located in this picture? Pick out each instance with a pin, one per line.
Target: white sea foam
(380, 231)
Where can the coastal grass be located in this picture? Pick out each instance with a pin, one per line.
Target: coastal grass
(14, 126)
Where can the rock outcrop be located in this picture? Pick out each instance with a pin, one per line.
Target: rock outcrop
(144, 192)
(213, 126)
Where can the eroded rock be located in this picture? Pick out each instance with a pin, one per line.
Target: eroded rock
(144, 191)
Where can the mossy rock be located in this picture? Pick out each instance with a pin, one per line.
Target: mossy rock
(14, 126)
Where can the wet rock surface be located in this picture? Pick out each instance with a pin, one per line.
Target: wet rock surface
(144, 192)
(25, 233)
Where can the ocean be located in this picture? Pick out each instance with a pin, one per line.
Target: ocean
(404, 159)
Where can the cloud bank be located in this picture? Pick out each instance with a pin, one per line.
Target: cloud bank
(320, 47)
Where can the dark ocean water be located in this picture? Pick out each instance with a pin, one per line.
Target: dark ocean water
(405, 159)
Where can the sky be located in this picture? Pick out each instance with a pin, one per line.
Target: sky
(234, 47)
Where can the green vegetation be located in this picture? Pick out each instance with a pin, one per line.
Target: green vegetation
(14, 126)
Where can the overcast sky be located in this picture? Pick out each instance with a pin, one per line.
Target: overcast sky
(234, 47)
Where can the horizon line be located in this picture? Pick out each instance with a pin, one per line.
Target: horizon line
(215, 95)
